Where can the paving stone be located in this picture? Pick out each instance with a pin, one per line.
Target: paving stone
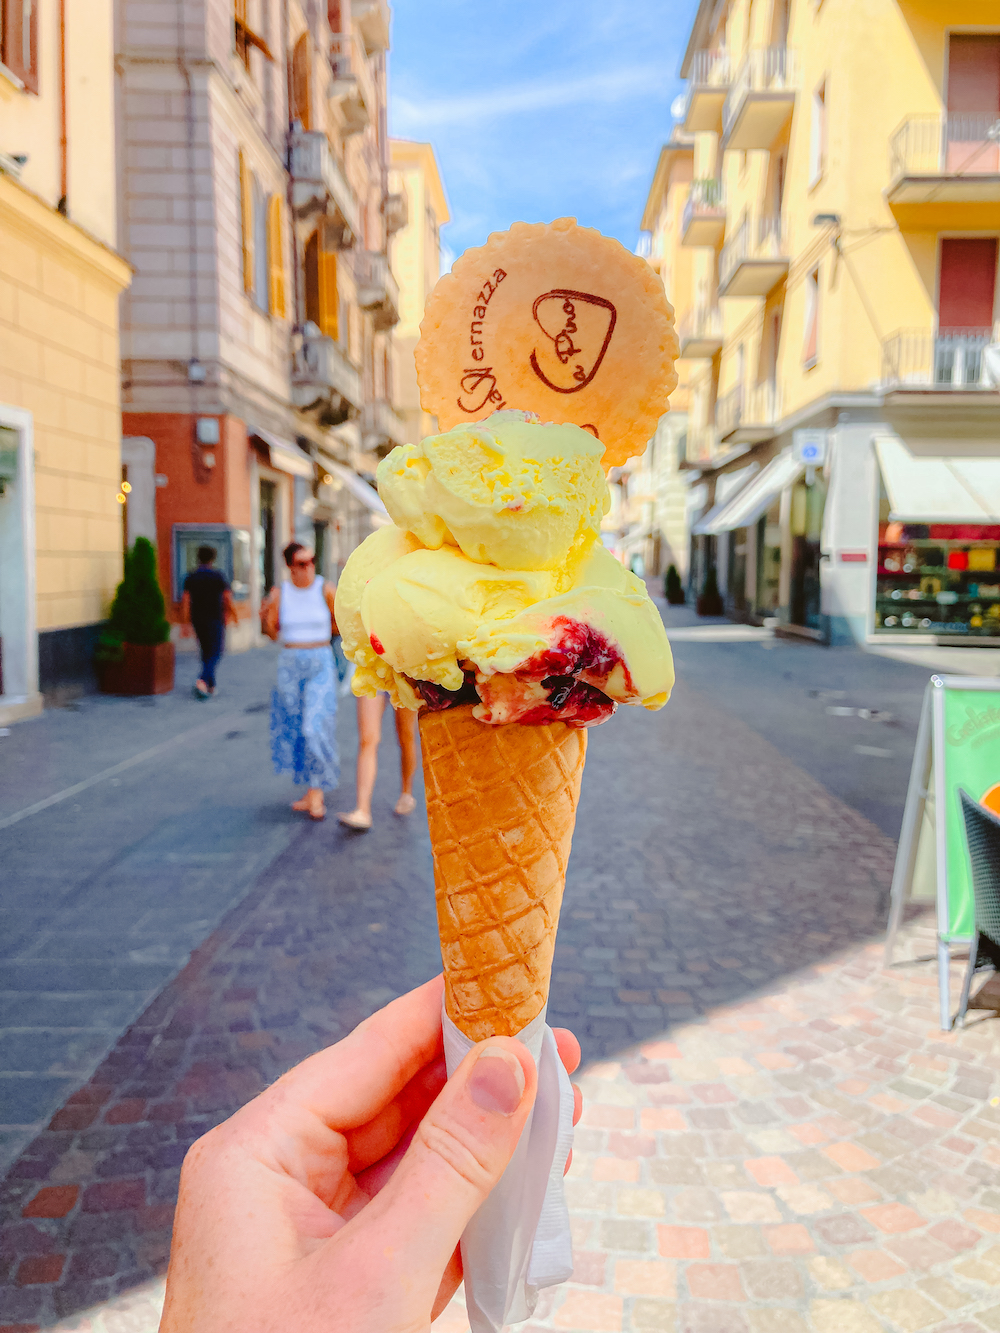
(911, 1310)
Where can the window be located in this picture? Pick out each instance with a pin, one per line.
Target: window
(246, 37)
(262, 225)
(261, 273)
(19, 40)
(810, 346)
(246, 223)
(817, 142)
(301, 91)
(323, 306)
(277, 284)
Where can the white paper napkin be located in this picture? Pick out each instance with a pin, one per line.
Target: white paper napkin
(519, 1241)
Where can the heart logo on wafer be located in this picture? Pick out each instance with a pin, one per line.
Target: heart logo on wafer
(578, 328)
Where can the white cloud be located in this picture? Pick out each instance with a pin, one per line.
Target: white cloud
(411, 116)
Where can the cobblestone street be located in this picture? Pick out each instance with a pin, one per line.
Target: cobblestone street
(776, 1136)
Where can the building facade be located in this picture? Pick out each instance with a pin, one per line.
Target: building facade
(844, 218)
(60, 281)
(650, 496)
(417, 257)
(257, 336)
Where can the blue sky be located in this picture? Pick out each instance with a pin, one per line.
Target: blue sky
(538, 109)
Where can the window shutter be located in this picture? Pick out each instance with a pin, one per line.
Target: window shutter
(19, 40)
(246, 220)
(328, 305)
(302, 58)
(277, 280)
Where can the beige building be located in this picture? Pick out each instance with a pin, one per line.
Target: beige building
(257, 338)
(414, 175)
(844, 219)
(60, 280)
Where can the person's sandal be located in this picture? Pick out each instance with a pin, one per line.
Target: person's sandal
(317, 811)
(200, 690)
(406, 804)
(355, 819)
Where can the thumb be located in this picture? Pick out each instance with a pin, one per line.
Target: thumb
(459, 1152)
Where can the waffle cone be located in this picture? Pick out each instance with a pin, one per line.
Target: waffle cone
(501, 805)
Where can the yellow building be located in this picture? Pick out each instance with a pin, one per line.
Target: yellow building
(417, 262)
(844, 217)
(60, 280)
(647, 525)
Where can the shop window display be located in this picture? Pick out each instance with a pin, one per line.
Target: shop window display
(769, 564)
(938, 579)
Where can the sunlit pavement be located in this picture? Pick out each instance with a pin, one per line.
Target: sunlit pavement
(777, 1137)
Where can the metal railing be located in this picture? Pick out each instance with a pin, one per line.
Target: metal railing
(957, 143)
(755, 238)
(311, 163)
(700, 444)
(349, 61)
(748, 408)
(381, 424)
(768, 69)
(710, 68)
(704, 321)
(319, 365)
(941, 359)
(707, 198)
(378, 290)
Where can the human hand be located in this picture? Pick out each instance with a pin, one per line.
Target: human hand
(338, 1196)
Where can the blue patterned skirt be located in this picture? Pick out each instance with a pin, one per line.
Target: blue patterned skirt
(304, 717)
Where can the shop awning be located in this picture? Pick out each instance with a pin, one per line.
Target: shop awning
(754, 499)
(938, 490)
(358, 487)
(284, 456)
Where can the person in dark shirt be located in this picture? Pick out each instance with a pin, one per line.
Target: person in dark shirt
(206, 606)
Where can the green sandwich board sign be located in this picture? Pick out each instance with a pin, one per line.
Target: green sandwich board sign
(958, 746)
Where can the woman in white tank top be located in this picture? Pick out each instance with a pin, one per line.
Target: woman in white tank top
(299, 612)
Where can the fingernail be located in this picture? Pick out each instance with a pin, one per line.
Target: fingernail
(497, 1081)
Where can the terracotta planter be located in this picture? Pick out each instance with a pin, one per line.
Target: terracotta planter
(146, 668)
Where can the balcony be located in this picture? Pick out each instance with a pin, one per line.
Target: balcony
(923, 367)
(748, 415)
(381, 428)
(324, 375)
(353, 83)
(703, 221)
(319, 185)
(945, 171)
(700, 332)
(761, 99)
(708, 85)
(397, 213)
(372, 19)
(701, 443)
(377, 289)
(755, 260)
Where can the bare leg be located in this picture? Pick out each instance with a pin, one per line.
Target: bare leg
(406, 734)
(369, 735)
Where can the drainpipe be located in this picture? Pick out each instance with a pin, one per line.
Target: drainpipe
(201, 473)
(63, 132)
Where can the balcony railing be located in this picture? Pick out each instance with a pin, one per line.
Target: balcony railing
(761, 97)
(755, 259)
(700, 331)
(381, 427)
(353, 83)
(372, 18)
(746, 414)
(700, 445)
(397, 213)
(711, 73)
(954, 144)
(703, 221)
(321, 370)
(378, 291)
(921, 359)
(317, 178)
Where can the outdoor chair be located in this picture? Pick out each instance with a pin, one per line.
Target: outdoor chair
(982, 835)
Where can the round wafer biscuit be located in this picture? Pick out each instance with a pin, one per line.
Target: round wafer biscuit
(556, 319)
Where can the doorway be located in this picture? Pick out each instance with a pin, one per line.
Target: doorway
(266, 530)
(808, 503)
(19, 695)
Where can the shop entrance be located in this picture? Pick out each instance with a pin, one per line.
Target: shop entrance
(265, 543)
(807, 505)
(768, 594)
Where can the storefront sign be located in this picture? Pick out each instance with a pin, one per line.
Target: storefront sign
(809, 447)
(958, 746)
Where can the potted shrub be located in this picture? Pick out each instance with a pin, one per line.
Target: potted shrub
(673, 588)
(709, 601)
(134, 654)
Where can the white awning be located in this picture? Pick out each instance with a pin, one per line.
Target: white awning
(938, 490)
(754, 499)
(358, 487)
(284, 456)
